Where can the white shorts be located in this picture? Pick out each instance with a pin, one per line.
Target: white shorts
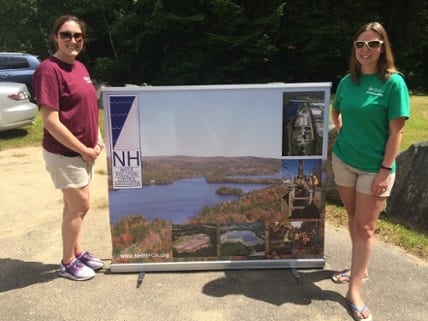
(348, 176)
(68, 172)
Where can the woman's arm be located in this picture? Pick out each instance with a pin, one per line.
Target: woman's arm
(396, 129)
(337, 119)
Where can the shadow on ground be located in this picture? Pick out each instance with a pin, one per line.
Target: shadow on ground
(274, 286)
(16, 274)
(13, 133)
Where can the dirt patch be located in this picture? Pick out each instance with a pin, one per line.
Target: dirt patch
(31, 207)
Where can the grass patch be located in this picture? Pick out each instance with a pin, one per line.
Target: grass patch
(411, 241)
(415, 129)
(101, 204)
(336, 214)
(101, 171)
(30, 135)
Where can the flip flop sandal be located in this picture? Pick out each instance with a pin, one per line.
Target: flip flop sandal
(342, 276)
(345, 276)
(355, 310)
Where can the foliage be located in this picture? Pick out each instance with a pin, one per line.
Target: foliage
(167, 42)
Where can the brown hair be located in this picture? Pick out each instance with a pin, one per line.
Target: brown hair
(63, 19)
(385, 64)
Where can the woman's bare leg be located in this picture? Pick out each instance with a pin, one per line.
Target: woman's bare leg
(76, 205)
(363, 225)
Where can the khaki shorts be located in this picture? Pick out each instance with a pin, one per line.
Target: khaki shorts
(68, 172)
(348, 176)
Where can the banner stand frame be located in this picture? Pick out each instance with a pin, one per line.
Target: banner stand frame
(218, 265)
(125, 146)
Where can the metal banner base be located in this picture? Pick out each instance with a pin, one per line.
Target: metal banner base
(218, 265)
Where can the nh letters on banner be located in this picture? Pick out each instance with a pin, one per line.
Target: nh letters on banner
(126, 153)
(217, 176)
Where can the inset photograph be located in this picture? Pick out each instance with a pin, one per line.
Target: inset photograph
(303, 194)
(189, 241)
(246, 240)
(303, 124)
(294, 239)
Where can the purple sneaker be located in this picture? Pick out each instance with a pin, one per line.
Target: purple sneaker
(90, 261)
(76, 270)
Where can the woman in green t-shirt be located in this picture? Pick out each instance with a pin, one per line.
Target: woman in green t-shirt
(370, 108)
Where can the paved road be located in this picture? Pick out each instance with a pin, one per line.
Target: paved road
(31, 290)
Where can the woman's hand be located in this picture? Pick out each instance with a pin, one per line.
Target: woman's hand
(380, 182)
(90, 154)
(98, 148)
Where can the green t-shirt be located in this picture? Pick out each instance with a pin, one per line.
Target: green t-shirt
(366, 110)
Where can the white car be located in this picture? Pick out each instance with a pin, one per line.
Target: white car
(16, 109)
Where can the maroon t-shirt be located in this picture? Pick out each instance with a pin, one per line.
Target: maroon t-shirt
(68, 89)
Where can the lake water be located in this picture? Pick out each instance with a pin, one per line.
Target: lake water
(176, 202)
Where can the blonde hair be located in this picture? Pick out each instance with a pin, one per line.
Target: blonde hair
(385, 64)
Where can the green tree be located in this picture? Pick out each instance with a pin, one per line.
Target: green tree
(221, 41)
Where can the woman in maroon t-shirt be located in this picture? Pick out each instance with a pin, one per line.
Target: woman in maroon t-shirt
(71, 138)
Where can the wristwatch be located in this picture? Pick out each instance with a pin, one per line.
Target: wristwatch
(101, 144)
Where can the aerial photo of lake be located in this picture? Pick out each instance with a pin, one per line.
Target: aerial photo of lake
(176, 202)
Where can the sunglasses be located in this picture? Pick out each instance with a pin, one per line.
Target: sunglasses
(67, 36)
(372, 44)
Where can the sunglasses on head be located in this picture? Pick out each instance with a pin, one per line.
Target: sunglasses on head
(372, 44)
(67, 36)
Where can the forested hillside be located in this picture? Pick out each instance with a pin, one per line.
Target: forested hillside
(221, 41)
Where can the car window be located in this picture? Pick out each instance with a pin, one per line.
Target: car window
(3, 63)
(18, 62)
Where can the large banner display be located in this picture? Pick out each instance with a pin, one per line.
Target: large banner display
(217, 176)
